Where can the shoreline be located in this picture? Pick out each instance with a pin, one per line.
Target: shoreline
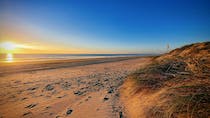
(17, 67)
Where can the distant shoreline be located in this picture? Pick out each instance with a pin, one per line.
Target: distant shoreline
(48, 57)
(17, 67)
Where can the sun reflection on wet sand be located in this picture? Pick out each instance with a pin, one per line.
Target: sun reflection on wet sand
(9, 57)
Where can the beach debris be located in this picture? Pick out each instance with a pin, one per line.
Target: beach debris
(65, 85)
(24, 98)
(78, 93)
(106, 98)
(62, 96)
(111, 90)
(69, 111)
(33, 88)
(27, 113)
(48, 107)
(31, 106)
(59, 96)
(49, 87)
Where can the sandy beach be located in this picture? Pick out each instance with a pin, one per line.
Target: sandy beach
(104, 59)
(76, 89)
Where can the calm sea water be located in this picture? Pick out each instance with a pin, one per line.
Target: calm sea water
(42, 57)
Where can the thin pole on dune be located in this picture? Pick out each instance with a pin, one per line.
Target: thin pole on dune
(167, 47)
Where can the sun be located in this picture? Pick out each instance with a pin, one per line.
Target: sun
(8, 46)
(13, 47)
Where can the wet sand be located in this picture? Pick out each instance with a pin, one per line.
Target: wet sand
(16, 67)
(76, 89)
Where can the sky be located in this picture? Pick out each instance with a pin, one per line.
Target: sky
(103, 26)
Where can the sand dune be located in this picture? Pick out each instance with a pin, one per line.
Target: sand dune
(174, 85)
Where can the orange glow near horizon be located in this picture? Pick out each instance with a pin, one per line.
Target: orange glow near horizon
(11, 47)
(22, 46)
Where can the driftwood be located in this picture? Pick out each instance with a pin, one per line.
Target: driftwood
(184, 73)
(170, 74)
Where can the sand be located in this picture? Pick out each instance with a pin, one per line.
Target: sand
(87, 90)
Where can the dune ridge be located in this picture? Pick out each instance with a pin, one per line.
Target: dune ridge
(174, 85)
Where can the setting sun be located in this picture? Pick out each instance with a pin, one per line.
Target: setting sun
(11, 47)
(8, 46)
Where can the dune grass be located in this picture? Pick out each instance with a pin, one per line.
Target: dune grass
(181, 82)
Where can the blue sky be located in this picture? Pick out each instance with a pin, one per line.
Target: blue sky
(106, 26)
